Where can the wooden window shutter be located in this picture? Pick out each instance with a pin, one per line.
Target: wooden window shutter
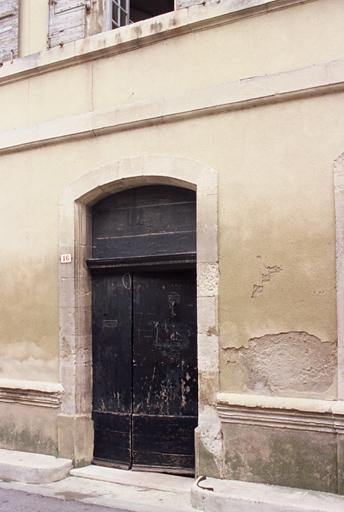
(9, 18)
(67, 21)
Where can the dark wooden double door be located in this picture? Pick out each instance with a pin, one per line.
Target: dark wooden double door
(145, 369)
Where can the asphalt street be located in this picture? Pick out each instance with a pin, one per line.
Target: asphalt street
(18, 501)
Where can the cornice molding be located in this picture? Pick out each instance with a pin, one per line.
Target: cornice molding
(326, 78)
(131, 37)
(279, 412)
(42, 394)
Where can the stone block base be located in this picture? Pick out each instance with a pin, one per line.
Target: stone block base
(76, 439)
(289, 442)
(292, 458)
(206, 463)
(28, 428)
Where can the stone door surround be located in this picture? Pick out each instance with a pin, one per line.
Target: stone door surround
(75, 429)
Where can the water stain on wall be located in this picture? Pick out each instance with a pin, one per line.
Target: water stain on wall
(26, 360)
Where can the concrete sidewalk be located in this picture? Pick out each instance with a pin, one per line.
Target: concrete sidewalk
(234, 496)
(106, 494)
(153, 492)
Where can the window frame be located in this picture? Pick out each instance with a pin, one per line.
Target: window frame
(110, 23)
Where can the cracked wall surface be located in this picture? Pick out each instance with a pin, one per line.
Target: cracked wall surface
(288, 363)
(275, 215)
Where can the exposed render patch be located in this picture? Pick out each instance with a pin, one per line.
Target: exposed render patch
(286, 362)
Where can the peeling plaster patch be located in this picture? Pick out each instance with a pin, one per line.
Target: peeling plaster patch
(286, 362)
(265, 275)
(256, 290)
(269, 271)
(26, 361)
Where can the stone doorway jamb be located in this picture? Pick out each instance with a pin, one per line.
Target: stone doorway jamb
(75, 427)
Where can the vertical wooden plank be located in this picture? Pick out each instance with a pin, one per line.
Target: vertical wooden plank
(145, 221)
(67, 21)
(165, 398)
(145, 383)
(112, 367)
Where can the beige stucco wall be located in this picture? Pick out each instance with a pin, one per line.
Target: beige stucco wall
(276, 208)
(33, 26)
(277, 249)
(290, 38)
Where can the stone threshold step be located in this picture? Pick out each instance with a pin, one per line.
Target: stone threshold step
(146, 480)
(213, 495)
(32, 468)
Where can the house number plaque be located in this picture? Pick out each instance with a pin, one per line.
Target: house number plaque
(66, 258)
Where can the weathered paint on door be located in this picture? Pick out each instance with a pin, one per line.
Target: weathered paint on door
(164, 369)
(144, 329)
(112, 368)
(145, 369)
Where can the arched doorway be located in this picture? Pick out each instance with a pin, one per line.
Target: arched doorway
(144, 328)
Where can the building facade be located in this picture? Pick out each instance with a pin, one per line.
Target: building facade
(216, 128)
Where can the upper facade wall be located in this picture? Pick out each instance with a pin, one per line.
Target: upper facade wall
(33, 26)
(276, 156)
(300, 35)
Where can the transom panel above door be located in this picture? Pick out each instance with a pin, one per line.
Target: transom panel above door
(145, 402)
(145, 222)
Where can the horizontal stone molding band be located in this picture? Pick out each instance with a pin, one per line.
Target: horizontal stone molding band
(316, 80)
(279, 412)
(131, 37)
(28, 392)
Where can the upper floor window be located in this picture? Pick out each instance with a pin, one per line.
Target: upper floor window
(118, 13)
(69, 19)
(123, 12)
(9, 15)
